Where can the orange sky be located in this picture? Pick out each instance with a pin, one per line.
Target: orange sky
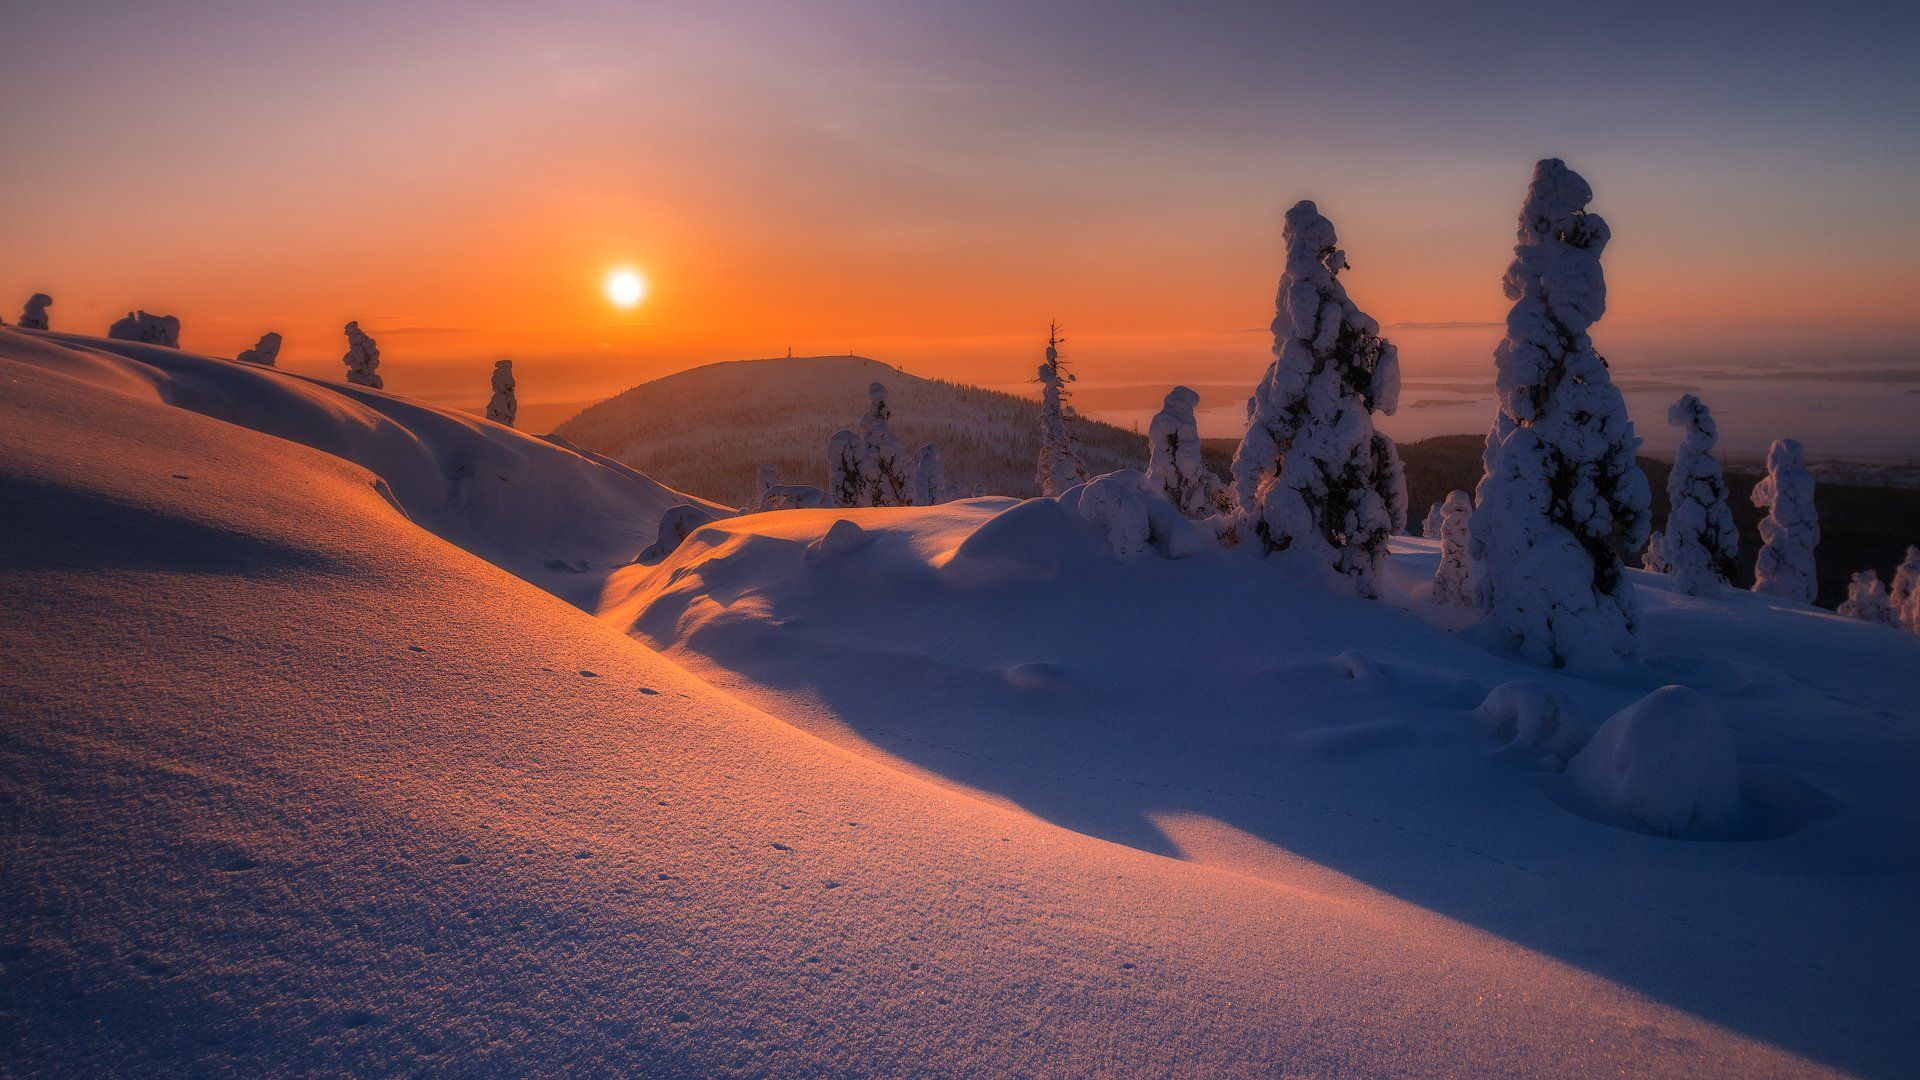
(926, 189)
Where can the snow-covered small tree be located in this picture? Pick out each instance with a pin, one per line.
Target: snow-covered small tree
(929, 477)
(1453, 580)
(846, 476)
(767, 477)
(265, 352)
(1562, 495)
(1867, 600)
(1173, 458)
(1312, 474)
(1791, 529)
(889, 482)
(1654, 559)
(1430, 525)
(1905, 594)
(1058, 466)
(147, 329)
(503, 406)
(1701, 541)
(362, 358)
(34, 315)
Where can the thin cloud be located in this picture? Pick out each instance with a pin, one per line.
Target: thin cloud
(1443, 325)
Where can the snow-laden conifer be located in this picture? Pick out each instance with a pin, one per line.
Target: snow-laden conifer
(1453, 580)
(1701, 542)
(929, 477)
(1791, 529)
(1654, 559)
(1058, 466)
(846, 476)
(888, 476)
(1312, 474)
(147, 329)
(1430, 525)
(1867, 600)
(362, 358)
(1562, 494)
(266, 351)
(1173, 458)
(34, 315)
(503, 406)
(1905, 594)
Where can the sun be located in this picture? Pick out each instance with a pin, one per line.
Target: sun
(625, 288)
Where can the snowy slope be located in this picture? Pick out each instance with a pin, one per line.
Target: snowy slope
(554, 516)
(708, 429)
(289, 783)
(1242, 715)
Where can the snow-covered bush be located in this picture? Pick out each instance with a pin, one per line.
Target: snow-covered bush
(1701, 542)
(1867, 600)
(1531, 718)
(676, 524)
(795, 497)
(1667, 762)
(1791, 529)
(266, 351)
(846, 476)
(1136, 516)
(1058, 466)
(1173, 458)
(1312, 474)
(362, 358)
(1562, 493)
(1453, 579)
(34, 315)
(929, 479)
(1905, 594)
(1430, 525)
(1654, 559)
(764, 479)
(149, 329)
(503, 406)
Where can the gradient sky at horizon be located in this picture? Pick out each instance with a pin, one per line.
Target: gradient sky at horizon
(929, 184)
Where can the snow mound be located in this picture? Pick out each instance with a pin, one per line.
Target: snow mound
(525, 504)
(676, 524)
(842, 538)
(1668, 763)
(1534, 720)
(1136, 516)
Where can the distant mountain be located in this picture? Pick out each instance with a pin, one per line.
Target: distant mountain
(708, 429)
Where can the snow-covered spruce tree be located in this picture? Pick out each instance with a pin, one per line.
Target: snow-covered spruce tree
(34, 315)
(503, 406)
(1173, 458)
(1905, 594)
(846, 477)
(1654, 560)
(362, 359)
(1430, 525)
(1791, 529)
(147, 329)
(889, 483)
(1453, 580)
(265, 352)
(1701, 542)
(1867, 600)
(1312, 474)
(1058, 467)
(1562, 495)
(929, 477)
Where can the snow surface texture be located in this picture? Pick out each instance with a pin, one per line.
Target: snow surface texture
(1058, 467)
(267, 351)
(274, 808)
(150, 329)
(1311, 473)
(1701, 542)
(1173, 459)
(1251, 715)
(502, 406)
(1453, 579)
(1561, 494)
(34, 315)
(362, 358)
(1791, 529)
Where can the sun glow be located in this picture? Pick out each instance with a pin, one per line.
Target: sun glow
(625, 288)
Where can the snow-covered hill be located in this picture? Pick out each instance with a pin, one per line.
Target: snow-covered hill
(291, 784)
(708, 429)
(1244, 715)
